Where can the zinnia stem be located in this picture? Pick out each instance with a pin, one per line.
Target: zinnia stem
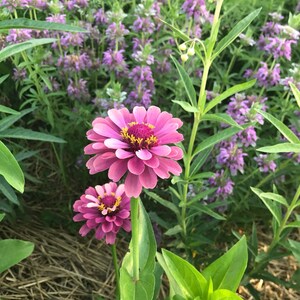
(134, 206)
(116, 266)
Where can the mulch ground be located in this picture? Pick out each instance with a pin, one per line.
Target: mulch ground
(64, 266)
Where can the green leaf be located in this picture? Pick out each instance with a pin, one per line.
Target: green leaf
(186, 106)
(289, 135)
(178, 32)
(8, 110)
(281, 148)
(174, 230)
(189, 281)
(17, 48)
(199, 161)
(206, 210)
(38, 25)
(10, 120)
(296, 92)
(227, 271)
(27, 134)
(2, 79)
(235, 32)
(222, 118)
(8, 192)
(295, 247)
(233, 90)
(198, 197)
(275, 197)
(187, 82)
(145, 286)
(216, 138)
(10, 169)
(12, 252)
(295, 224)
(224, 295)
(2, 216)
(158, 273)
(163, 202)
(272, 207)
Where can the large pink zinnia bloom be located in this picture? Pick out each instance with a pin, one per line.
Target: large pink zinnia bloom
(136, 144)
(106, 209)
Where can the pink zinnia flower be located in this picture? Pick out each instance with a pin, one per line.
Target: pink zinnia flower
(106, 209)
(136, 144)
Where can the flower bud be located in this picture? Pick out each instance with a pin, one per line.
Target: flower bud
(184, 57)
(182, 47)
(191, 51)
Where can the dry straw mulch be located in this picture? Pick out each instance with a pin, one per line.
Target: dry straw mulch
(64, 266)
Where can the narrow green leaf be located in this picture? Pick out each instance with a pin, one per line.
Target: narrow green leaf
(295, 247)
(186, 106)
(174, 230)
(178, 32)
(3, 78)
(198, 197)
(216, 138)
(227, 271)
(7, 191)
(164, 202)
(27, 134)
(187, 82)
(10, 169)
(233, 90)
(272, 207)
(145, 286)
(199, 161)
(281, 148)
(296, 92)
(190, 280)
(206, 210)
(39, 25)
(275, 197)
(8, 110)
(12, 252)
(2, 215)
(17, 48)
(289, 135)
(10, 120)
(202, 175)
(222, 118)
(295, 224)
(235, 32)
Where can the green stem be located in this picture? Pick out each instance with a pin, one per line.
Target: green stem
(134, 206)
(116, 266)
(197, 117)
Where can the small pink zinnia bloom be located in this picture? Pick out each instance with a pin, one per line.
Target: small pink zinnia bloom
(106, 209)
(135, 144)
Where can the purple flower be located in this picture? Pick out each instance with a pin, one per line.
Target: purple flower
(279, 47)
(265, 164)
(19, 35)
(78, 90)
(12, 4)
(271, 29)
(76, 4)
(72, 39)
(224, 184)
(267, 77)
(247, 137)
(40, 4)
(142, 76)
(100, 17)
(197, 10)
(19, 74)
(114, 61)
(57, 18)
(139, 97)
(143, 24)
(75, 63)
(115, 34)
(232, 157)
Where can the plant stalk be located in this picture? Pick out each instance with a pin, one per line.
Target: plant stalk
(116, 266)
